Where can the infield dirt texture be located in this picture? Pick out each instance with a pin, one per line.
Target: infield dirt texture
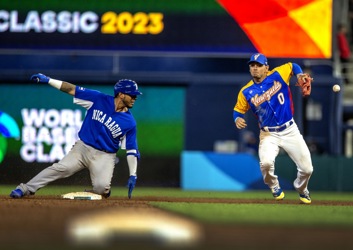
(40, 222)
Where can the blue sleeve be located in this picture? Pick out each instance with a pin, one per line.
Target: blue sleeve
(296, 69)
(86, 94)
(236, 115)
(131, 141)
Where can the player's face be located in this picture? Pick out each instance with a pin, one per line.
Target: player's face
(258, 71)
(129, 100)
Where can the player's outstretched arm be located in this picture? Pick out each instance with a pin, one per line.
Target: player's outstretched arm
(68, 88)
(63, 86)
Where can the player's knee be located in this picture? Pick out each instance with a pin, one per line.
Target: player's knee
(307, 171)
(266, 164)
(101, 189)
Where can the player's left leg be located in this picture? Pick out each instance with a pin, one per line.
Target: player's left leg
(101, 172)
(298, 151)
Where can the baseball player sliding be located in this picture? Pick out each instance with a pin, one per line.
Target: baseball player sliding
(268, 96)
(107, 126)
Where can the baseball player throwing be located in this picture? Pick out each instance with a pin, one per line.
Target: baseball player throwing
(268, 96)
(107, 126)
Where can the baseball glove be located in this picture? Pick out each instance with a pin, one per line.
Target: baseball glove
(304, 82)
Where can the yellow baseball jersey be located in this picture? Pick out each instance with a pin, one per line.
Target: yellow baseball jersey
(271, 100)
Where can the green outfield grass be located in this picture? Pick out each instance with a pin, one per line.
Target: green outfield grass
(264, 214)
(179, 193)
(238, 213)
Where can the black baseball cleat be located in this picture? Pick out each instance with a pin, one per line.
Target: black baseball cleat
(106, 195)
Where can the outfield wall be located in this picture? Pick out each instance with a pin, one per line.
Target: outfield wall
(241, 172)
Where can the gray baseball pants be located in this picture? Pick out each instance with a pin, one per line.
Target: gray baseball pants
(100, 165)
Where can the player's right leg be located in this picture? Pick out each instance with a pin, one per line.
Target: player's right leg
(268, 151)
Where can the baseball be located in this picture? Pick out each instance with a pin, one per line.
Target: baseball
(336, 88)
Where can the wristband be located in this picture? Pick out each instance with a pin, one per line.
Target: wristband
(55, 83)
(132, 164)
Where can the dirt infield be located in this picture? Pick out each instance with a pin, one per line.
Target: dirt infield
(40, 222)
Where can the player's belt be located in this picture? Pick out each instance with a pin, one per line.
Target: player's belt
(278, 128)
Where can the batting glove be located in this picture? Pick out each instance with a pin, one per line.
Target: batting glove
(40, 78)
(131, 184)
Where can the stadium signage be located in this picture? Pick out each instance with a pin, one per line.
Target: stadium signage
(47, 135)
(49, 21)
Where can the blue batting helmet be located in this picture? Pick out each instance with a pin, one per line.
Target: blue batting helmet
(126, 86)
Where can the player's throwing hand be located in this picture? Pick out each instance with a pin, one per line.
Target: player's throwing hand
(240, 123)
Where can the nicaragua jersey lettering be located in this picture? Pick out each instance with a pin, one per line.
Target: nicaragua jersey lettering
(103, 128)
(110, 124)
(270, 100)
